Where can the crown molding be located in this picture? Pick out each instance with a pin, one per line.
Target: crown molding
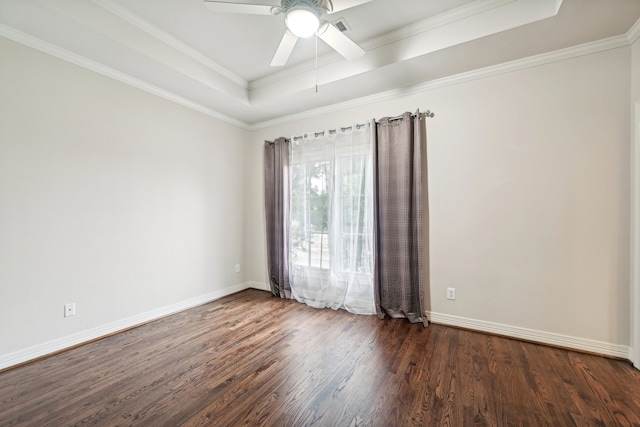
(445, 18)
(18, 36)
(482, 73)
(119, 30)
(585, 49)
(169, 40)
(634, 32)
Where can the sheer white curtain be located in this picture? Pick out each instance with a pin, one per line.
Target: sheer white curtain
(331, 219)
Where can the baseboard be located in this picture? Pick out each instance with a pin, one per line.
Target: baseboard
(55, 346)
(581, 344)
(259, 285)
(41, 350)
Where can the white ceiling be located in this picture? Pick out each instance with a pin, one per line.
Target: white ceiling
(219, 63)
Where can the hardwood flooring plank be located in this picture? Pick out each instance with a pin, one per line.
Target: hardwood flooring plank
(256, 360)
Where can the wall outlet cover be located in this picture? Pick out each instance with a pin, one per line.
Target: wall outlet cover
(70, 309)
(451, 293)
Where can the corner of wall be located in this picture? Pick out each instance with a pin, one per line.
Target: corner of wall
(634, 348)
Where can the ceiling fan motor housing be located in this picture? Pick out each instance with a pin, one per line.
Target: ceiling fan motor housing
(316, 6)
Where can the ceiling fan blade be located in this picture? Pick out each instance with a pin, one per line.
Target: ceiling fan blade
(284, 50)
(339, 42)
(246, 8)
(339, 5)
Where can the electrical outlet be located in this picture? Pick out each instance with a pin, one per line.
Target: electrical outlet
(70, 309)
(451, 293)
(237, 268)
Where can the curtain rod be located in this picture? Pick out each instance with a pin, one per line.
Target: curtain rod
(427, 113)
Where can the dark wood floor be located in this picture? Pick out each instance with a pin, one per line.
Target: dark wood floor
(252, 359)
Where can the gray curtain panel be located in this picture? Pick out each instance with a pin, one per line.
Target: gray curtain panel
(276, 191)
(400, 209)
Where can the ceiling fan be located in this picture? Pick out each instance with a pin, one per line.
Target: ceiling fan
(303, 18)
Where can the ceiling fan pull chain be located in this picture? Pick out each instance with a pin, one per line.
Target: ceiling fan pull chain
(316, 62)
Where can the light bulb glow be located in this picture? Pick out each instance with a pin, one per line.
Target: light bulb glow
(302, 22)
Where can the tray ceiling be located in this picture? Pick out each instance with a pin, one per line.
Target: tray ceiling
(219, 63)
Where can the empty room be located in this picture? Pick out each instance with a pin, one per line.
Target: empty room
(320, 212)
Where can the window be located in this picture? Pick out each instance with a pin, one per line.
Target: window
(324, 189)
(354, 233)
(309, 228)
(331, 220)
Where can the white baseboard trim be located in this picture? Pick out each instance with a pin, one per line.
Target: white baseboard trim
(259, 285)
(583, 344)
(69, 341)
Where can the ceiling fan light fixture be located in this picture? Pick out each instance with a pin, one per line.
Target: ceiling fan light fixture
(302, 22)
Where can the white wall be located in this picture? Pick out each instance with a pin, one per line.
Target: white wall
(635, 194)
(529, 195)
(110, 197)
(123, 202)
(635, 69)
